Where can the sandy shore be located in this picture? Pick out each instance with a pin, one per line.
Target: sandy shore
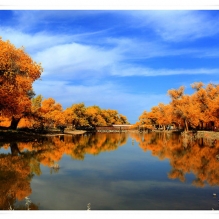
(75, 132)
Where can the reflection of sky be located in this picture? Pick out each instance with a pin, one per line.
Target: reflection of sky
(125, 179)
(4, 151)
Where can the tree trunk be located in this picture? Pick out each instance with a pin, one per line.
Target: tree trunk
(187, 128)
(201, 126)
(14, 123)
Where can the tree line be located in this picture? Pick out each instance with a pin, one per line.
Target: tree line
(19, 103)
(199, 110)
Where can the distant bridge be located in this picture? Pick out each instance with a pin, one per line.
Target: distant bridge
(113, 128)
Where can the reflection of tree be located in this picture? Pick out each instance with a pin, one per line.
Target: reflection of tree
(18, 168)
(197, 156)
(14, 149)
(15, 177)
(50, 150)
(78, 146)
(177, 174)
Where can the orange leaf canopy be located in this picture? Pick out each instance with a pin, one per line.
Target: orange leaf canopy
(17, 73)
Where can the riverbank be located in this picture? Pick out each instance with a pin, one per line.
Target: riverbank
(74, 132)
(197, 134)
(208, 134)
(14, 135)
(19, 135)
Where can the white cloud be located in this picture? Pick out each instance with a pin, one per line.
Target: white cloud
(32, 42)
(124, 71)
(179, 25)
(74, 60)
(133, 49)
(68, 60)
(62, 57)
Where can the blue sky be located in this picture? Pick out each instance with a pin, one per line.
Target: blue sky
(119, 59)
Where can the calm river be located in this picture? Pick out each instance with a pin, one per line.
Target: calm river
(111, 171)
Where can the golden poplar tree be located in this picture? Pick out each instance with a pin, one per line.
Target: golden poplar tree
(17, 74)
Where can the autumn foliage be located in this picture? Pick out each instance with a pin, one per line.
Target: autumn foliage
(17, 73)
(47, 113)
(196, 111)
(80, 115)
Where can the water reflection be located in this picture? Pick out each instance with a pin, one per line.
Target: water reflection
(186, 154)
(15, 178)
(18, 167)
